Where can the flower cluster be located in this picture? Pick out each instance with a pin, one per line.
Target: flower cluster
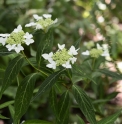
(43, 22)
(96, 52)
(14, 40)
(61, 57)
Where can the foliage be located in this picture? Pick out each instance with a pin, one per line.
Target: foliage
(34, 89)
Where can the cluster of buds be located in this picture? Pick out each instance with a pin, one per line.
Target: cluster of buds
(62, 57)
(99, 51)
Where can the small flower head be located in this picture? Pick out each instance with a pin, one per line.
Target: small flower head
(89, 44)
(43, 22)
(15, 40)
(96, 52)
(62, 57)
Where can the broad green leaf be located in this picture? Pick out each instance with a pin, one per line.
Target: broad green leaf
(48, 83)
(11, 109)
(63, 109)
(6, 104)
(36, 122)
(111, 73)
(44, 46)
(4, 51)
(23, 96)
(84, 103)
(80, 72)
(80, 120)
(111, 119)
(11, 72)
(53, 101)
(3, 117)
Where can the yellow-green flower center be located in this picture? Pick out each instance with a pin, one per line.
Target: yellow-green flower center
(45, 22)
(90, 44)
(16, 38)
(95, 52)
(61, 57)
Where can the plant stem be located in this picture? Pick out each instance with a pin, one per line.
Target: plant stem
(33, 65)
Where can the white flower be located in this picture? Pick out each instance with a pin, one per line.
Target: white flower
(67, 65)
(18, 29)
(28, 36)
(51, 65)
(28, 41)
(47, 15)
(48, 56)
(30, 24)
(18, 48)
(38, 26)
(73, 51)
(3, 40)
(37, 17)
(86, 53)
(61, 46)
(10, 47)
(73, 60)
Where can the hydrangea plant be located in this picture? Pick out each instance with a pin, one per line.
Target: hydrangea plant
(56, 73)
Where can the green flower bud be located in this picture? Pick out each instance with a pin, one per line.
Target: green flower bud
(95, 52)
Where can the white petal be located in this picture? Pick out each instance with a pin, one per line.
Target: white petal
(105, 53)
(61, 46)
(28, 41)
(73, 60)
(10, 47)
(38, 26)
(30, 24)
(51, 65)
(47, 15)
(37, 17)
(3, 40)
(55, 21)
(18, 48)
(67, 65)
(18, 29)
(48, 56)
(85, 53)
(72, 51)
(98, 46)
(28, 36)
(4, 35)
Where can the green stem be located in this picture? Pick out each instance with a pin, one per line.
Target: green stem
(17, 80)
(32, 64)
(93, 64)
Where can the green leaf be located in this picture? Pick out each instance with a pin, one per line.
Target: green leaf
(4, 51)
(63, 109)
(6, 104)
(53, 101)
(77, 43)
(3, 117)
(44, 46)
(111, 119)
(11, 72)
(11, 109)
(48, 83)
(84, 103)
(24, 95)
(111, 73)
(80, 120)
(36, 122)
